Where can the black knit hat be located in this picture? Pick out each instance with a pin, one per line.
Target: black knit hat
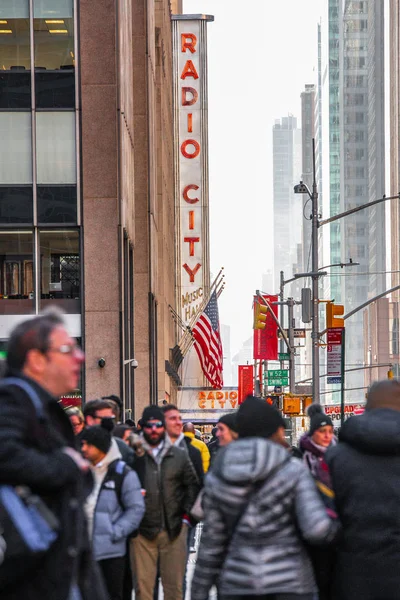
(317, 418)
(97, 436)
(153, 413)
(257, 418)
(230, 420)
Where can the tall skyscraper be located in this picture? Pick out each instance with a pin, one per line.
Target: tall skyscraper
(307, 134)
(355, 69)
(288, 208)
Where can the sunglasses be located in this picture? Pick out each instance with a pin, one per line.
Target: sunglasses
(155, 425)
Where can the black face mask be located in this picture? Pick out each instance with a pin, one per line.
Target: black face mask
(153, 441)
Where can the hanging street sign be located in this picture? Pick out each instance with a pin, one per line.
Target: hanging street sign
(279, 381)
(283, 356)
(278, 373)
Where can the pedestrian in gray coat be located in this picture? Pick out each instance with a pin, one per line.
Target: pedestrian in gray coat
(114, 509)
(260, 506)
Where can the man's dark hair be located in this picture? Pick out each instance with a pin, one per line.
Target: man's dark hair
(32, 334)
(119, 430)
(169, 407)
(90, 409)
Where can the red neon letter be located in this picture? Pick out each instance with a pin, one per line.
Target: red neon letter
(188, 45)
(191, 272)
(185, 92)
(189, 70)
(192, 241)
(190, 123)
(191, 219)
(187, 189)
(187, 154)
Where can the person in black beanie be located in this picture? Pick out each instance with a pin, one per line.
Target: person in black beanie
(260, 505)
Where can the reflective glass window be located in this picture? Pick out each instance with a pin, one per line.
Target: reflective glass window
(16, 272)
(15, 148)
(54, 54)
(60, 269)
(15, 58)
(16, 205)
(57, 204)
(56, 153)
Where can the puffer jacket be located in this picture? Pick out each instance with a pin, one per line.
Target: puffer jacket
(257, 501)
(171, 486)
(365, 471)
(112, 523)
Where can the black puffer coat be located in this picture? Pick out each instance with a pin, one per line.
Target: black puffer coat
(365, 471)
(31, 454)
(171, 486)
(265, 497)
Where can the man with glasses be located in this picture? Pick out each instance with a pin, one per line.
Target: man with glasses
(171, 487)
(38, 451)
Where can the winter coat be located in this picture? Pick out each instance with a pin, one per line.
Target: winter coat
(258, 502)
(171, 488)
(213, 447)
(365, 471)
(112, 523)
(202, 447)
(31, 454)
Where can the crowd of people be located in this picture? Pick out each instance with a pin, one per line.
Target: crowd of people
(279, 523)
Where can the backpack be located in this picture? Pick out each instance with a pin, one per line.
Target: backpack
(116, 473)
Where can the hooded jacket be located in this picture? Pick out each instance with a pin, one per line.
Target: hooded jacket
(258, 502)
(365, 472)
(202, 448)
(109, 522)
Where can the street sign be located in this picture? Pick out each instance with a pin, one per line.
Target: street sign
(334, 355)
(283, 356)
(297, 333)
(280, 381)
(278, 373)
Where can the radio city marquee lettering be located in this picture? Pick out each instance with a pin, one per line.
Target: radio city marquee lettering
(218, 399)
(192, 159)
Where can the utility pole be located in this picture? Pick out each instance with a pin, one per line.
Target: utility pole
(315, 287)
(290, 304)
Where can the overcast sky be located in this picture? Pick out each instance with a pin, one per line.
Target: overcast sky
(261, 53)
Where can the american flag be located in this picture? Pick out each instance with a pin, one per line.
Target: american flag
(207, 341)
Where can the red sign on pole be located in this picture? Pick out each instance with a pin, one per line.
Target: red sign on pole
(246, 381)
(334, 355)
(265, 341)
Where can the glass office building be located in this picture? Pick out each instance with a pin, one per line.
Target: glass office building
(39, 179)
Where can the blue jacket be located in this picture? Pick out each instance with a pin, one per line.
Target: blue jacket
(111, 523)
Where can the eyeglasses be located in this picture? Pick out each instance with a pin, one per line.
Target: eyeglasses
(154, 425)
(100, 417)
(68, 349)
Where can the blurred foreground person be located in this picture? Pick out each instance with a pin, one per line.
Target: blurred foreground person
(259, 504)
(365, 471)
(314, 445)
(39, 453)
(115, 507)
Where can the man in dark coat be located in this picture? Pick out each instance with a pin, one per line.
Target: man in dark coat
(41, 455)
(365, 471)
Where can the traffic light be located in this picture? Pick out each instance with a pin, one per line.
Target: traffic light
(333, 314)
(390, 374)
(273, 400)
(260, 315)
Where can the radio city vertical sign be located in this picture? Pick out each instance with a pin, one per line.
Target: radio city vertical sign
(191, 160)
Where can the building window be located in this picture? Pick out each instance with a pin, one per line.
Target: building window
(15, 148)
(57, 204)
(16, 205)
(56, 148)
(16, 272)
(54, 54)
(15, 59)
(60, 269)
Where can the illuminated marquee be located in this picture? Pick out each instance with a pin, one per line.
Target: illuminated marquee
(190, 87)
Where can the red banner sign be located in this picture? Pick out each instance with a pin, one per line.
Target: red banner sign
(265, 341)
(246, 381)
